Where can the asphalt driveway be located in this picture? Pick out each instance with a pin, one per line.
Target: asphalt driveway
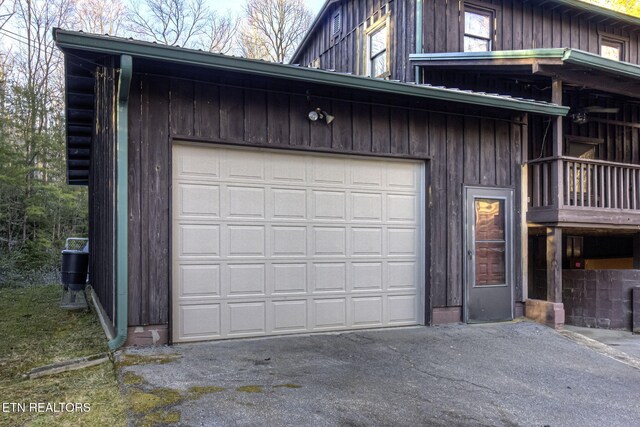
(499, 374)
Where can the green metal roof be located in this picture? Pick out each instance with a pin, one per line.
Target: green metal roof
(569, 56)
(79, 41)
(603, 11)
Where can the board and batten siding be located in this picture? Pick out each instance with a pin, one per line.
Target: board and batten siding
(469, 150)
(101, 192)
(345, 52)
(524, 25)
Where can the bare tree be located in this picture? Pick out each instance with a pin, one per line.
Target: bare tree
(100, 16)
(171, 22)
(273, 28)
(220, 33)
(7, 10)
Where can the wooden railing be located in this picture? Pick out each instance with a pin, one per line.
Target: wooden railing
(585, 183)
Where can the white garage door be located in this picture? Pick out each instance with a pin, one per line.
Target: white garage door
(271, 242)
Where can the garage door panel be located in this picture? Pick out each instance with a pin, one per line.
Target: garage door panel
(289, 278)
(329, 171)
(366, 241)
(203, 163)
(329, 241)
(402, 208)
(367, 311)
(245, 202)
(402, 309)
(248, 167)
(402, 241)
(199, 200)
(199, 321)
(289, 203)
(402, 176)
(402, 275)
(246, 279)
(290, 316)
(199, 240)
(246, 318)
(366, 207)
(367, 276)
(288, 241)
(366, 174)
(245, 240)
(287, 168)
(329, 277)
(329, 205)
(199, 280)
(330, 313)
(282, 243)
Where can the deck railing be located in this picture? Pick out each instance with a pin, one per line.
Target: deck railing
(584, 183)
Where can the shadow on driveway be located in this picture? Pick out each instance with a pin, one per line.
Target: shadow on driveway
(497, 374)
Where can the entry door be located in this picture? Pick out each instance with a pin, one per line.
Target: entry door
(489, 254)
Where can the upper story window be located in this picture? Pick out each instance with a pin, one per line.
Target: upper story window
(478, 30)
(378, 49)
(612, 48)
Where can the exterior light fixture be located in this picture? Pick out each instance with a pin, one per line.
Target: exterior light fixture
(319, 114)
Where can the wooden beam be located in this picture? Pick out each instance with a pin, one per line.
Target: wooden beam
(592, 80)
(556, 168)
(554, 264)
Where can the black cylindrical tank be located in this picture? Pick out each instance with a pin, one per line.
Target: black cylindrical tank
(74, 269)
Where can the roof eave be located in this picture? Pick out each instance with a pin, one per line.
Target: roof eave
(312, 29)
(570, 56)
(602, 11)
(101, 44)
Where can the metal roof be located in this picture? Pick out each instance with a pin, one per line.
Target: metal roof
(80, 98)
(565, 55)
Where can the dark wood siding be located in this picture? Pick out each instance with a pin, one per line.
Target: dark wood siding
(345, 53)
(102, 190)
(464, 148)
(525, 25)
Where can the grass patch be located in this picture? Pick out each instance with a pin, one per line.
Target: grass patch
(288, 385)
(137, 359)
(198, 391)
(250, 389)
(143, 402)
(37, 332)
(129, 378)
(159, 418)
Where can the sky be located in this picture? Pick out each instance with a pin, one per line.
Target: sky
(236, 6)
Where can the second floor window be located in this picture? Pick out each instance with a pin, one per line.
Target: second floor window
(377, 58)
(478, 30)
(612, 49)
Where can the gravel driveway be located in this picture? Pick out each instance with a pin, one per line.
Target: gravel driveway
(499, 374)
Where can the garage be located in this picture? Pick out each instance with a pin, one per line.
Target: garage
(269, 242)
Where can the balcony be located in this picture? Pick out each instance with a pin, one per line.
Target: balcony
(570, 191)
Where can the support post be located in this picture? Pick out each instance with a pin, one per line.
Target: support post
(554, 264)
(557, 185)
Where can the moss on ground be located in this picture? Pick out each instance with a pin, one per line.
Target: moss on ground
(139, 359)
(250, 389)
(288, 385)
(129, 378)
(142, 402)
(159, 418)
(198, 391)
(42, 333)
